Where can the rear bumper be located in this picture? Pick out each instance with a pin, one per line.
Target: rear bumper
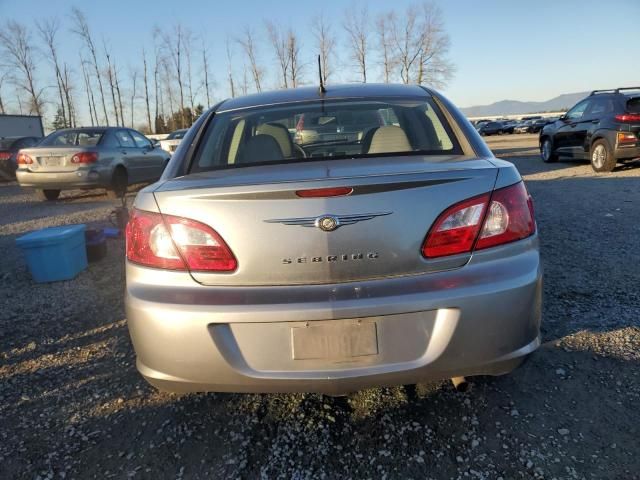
(627, 153)
(482, 319)
(81, 178)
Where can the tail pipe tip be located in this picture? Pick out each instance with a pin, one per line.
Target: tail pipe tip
(460, 384)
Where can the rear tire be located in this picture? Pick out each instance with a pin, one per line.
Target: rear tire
(119, 183)
(602, 157)
(49, 195)
(546, 151)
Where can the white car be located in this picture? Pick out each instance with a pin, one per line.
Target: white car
(172, 141)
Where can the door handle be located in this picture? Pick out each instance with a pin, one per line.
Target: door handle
(595, 121)
(124, 152)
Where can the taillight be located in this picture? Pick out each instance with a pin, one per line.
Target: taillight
(176, 243)
(627, 137)
(24, 159)
(325, 192)
(628, 118)
(85, 157)
(482, 222)
(509, 218)
(5, 155)
(456, 229)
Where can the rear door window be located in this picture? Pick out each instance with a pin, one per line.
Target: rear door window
(140, 140)
(125, 139)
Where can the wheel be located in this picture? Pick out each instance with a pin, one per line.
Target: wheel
(602, 157)
(119, 183)
(546, 151)
(49, 195)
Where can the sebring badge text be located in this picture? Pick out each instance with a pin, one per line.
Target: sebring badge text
(332, 258)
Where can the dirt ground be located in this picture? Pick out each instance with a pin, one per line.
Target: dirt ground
(73, 406)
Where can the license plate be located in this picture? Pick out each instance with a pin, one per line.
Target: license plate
(52, 161)
(334, 341)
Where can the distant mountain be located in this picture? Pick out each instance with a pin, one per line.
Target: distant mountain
(515, 107)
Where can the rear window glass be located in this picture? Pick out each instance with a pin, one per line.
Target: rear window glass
(72, 138)
(320, 130)
(633, 105)
(178, 134)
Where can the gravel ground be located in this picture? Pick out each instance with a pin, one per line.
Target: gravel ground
(73, 406)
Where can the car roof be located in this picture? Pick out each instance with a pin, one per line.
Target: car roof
(302, 94)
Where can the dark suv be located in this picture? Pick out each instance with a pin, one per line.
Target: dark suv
(604, 127)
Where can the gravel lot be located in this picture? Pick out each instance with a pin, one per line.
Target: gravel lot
(73, 406)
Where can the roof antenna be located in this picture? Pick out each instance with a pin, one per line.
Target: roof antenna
(321, 90)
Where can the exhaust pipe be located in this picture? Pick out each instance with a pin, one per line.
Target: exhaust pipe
(460, 384)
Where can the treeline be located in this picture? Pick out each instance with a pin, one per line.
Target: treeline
(172, 83)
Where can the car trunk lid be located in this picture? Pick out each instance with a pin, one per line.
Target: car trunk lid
(278, 237)
(52, 159)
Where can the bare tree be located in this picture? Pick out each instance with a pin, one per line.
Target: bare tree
(145, 80)
(187, 48)
(173, 43)
(434, 68)
(134, 77)
(117, 82)
(384, 25)
(2, 78)
(81, 28)
(408, 39)
(357, 27)
(67, 87)
(230, 73)
(157, 90)
(245, 81)
(19, 55)
(279, 42)
(293, 52)
(48, 29)
(247, 42)
(205, 70)
(111, 78)
(325, 43)
(90, 99)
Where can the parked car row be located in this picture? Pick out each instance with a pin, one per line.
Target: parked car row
(603, 128)
(524, 125)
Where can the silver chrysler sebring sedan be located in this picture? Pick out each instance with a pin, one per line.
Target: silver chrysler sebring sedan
(330, 240)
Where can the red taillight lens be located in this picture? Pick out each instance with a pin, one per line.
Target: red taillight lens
(456, 229)
(628, 118)
(503, 217)
(5, 155)
(85, 157)
(510, 217)
(24, 159)
(325, 192)
(176, 243)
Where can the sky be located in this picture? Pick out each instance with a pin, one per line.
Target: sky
(518, 50)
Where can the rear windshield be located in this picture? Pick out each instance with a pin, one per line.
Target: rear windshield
(72, 138)
(321, 130)
(633, 105)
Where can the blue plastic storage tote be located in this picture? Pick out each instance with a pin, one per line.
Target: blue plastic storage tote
(56, 253)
